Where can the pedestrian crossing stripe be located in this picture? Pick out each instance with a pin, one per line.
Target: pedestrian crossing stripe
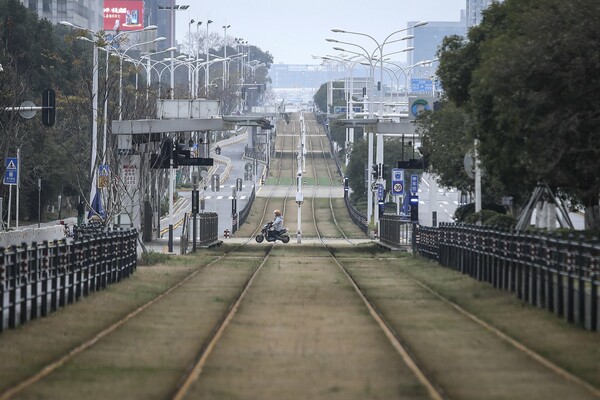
(219, 197)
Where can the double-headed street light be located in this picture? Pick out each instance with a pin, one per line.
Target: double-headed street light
(225, 65)
(121, 55)
(94, 149)
(206, 47)
(172, 9)
(370, 58)
(95, 201)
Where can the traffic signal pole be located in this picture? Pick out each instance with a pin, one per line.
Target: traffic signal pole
(171, 193)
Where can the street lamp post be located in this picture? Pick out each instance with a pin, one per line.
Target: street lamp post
(370, 57)
(94, 149)
(172, 10)
(225, 54)
(349, 65)
(206, 47)
(121, 55)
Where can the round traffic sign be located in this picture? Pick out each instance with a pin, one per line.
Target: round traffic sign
(27, 114)
(248, 167)
(398, 187)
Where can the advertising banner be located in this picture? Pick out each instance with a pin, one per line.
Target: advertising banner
(123, 15)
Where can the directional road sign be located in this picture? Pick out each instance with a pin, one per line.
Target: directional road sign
(12, 169)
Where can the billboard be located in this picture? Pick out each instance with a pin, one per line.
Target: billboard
(123, 15)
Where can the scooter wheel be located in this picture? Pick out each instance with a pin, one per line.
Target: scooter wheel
(259, 238)
(285, 239)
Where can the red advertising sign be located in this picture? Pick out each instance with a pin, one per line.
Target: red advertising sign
(123, 15)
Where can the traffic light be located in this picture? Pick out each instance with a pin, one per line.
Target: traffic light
(414, 209)
(163, 159)
(382, 171)
(375, 171)
(48, 107)
(181, 152)
(364, 91)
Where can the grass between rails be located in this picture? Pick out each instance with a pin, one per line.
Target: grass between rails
(147, 356)
(430, 336)
(24, 350)
(324, 217)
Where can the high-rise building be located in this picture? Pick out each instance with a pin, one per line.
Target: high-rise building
(429, 37)
(85, 13)
(163, 14)
(474, 9)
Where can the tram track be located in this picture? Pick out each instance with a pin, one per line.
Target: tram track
(268, 264)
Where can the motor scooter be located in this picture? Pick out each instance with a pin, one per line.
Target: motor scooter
(264, 234)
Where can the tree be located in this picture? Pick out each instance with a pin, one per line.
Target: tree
(34, 58)
(355, 172)
(446, 141)
(527, 78)
(320, 97)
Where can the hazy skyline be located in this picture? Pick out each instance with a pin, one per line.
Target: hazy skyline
(294, 31)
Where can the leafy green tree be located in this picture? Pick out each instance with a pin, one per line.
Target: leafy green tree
(320, 97)
(395, 150)
(527, 79)
(34, 58)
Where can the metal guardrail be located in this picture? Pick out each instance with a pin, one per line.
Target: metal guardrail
(549, 271)
(357, 217)
(395, 230)
(37, 279)
(243, 215)
(208, 228)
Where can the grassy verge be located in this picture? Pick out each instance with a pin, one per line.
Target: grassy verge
(453, 346)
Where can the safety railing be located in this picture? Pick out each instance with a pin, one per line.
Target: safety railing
(395, 230)
(357, 217)
(550, 271)
(243, 214)
(37, 279)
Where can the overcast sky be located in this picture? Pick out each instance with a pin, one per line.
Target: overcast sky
(293, 31)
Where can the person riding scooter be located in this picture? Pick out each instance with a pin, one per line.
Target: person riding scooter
(276, 226)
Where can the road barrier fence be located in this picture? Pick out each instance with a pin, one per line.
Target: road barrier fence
(559, 273)
(38, 278)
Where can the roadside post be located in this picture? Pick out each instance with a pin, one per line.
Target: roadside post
(195, 207)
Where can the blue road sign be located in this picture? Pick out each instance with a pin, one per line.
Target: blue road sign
(397, 182)
(103, 170)
(379, 192)
(419, 85)
(12, 171)
(414, 183)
